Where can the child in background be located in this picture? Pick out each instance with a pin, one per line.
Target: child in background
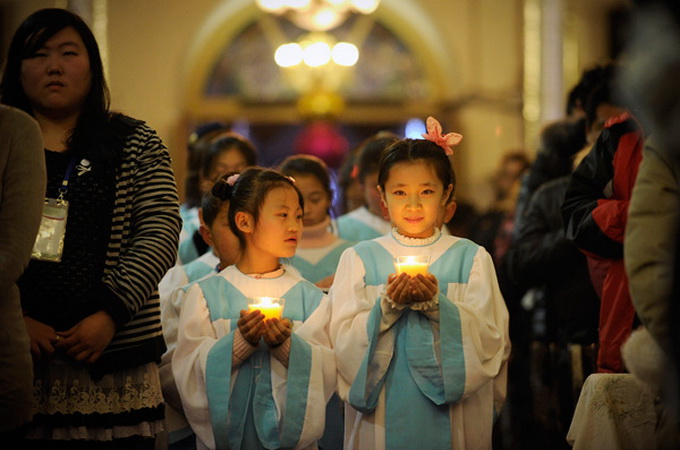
(421, 360)
(367, 221)
(219, 152)
(197, 147)
(247, 382)
(214, 214)
(319, 249)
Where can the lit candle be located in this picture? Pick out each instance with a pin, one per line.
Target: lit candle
(412, 265)
(271, 307)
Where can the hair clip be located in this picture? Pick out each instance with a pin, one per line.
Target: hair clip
(355, 171)
(232, 179)
(434, 134)
(291, 179)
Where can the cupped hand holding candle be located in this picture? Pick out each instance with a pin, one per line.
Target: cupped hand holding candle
(412, 265)
(271, 307)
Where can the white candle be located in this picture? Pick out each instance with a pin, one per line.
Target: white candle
(271, 307)
(412, 265)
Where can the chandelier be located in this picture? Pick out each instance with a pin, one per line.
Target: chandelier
(317, 64)
(317, 15)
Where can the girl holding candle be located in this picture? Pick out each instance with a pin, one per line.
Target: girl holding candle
(247, 382)
(427, 352)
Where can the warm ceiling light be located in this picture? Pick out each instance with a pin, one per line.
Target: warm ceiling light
(345, 54)
(288, 55)
(271, 6)
(325, 18)
(297, 4)
(365, 6)
(317, 54)
(318, 15)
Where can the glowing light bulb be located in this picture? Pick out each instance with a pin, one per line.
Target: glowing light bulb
(317, 54)
(288, 55)
(297, 4)
(365, 6)
(345, 54)
(271, 6)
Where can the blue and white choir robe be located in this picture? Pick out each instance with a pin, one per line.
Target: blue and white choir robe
(182, 274)
(172, 290)
(433, 378)
(360, 225)
(187, 251)
(260, 403)
(315, 264)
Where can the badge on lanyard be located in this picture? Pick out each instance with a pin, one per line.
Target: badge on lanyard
(49, 244)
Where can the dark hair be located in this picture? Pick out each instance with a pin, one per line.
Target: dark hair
(95, 135)
(590, 78)
(248, 193)
(370, 151)
(213, 200)
(227, 141)
(198, 144)
(604, 92)
(409, 150)
(297, 165)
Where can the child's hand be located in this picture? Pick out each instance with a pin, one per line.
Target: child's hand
(251, 325)
(277, 331)
(422, 288)
(398, 288)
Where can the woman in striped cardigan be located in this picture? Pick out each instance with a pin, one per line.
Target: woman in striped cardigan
(93, 316)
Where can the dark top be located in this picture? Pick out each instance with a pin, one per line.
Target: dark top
(59, 294)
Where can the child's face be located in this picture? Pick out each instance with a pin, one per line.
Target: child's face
(279, 226)
(316, 198)
(228, 160)
(225, 244)
(415, 198)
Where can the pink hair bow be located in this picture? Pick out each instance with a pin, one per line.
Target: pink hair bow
(232, 179)
(434, 134)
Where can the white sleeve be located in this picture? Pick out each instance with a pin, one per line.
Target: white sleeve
(174, 278)
(170, 309)
(484, 324)
(195, 337)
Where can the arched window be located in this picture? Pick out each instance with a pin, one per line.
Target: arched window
(386, 72)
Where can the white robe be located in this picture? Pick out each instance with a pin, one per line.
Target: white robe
(225, 405)
(434, 378)
(171, 290)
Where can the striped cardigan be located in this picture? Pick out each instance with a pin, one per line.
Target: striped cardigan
(143, 246)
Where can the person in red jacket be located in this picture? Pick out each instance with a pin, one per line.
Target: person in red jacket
(594, 212)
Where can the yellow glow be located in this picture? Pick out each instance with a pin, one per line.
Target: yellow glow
(345, 54)
(288, 55)
(317, 54)
(297, 4)
(270, 307)
(271, 6)
(326, 18)
(412, 265)
(365, 6)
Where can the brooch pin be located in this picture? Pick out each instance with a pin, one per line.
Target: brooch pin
(83, 167)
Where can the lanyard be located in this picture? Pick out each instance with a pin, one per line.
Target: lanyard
(64, 184)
